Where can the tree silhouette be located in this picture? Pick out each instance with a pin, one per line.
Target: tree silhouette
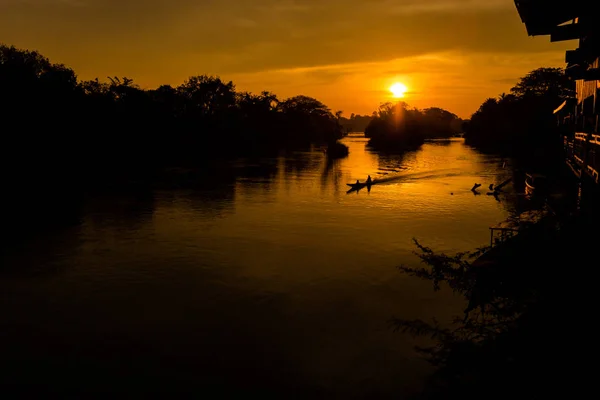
(521, 124)
(520, 325)
(399, 127)
(356, 123)
(75, 136)
(542, 82)
(310, 119)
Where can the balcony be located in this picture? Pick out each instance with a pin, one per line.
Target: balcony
(574, 167)
(593, 162)
(593, 173)
(541, 17)
(582, 154)
(565, 32)
(568, 148)
(573, 57)
(575, 71)
(592, 74)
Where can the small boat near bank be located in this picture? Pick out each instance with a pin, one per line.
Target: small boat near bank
(535, 184)
(354, 187)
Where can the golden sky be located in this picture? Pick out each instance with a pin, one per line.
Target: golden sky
(449, 53)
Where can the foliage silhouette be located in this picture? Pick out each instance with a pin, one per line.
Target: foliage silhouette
(356, 123)
(521, 124)
(337, 150)
(398, 127)
(70, 136)
(513, 337)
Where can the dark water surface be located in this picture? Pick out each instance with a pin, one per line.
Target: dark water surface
(276, 282)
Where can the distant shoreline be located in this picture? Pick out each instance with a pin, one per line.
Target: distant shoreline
(450, 139)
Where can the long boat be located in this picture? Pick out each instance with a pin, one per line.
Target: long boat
(358, 186)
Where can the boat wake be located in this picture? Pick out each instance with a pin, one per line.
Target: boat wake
(439, 174)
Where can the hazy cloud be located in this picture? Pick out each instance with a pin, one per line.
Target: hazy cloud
(507, 81)
(341, 48)
(444, 6)
(74, 3)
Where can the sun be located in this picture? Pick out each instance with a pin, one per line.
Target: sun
(398, 89)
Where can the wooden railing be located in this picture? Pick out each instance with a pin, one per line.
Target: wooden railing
(582, 154)
(574, 168)
(593, 162)
(593, 173)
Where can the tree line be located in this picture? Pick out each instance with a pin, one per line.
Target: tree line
(400, 127)
(522, 325)
(62, 135)
(204, 116)
(117, 124)
(356, 122)
(521, 123)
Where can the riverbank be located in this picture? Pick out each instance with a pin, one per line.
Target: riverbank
(528, 299)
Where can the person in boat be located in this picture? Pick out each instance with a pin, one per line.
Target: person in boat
(357, 182)
(369, 180)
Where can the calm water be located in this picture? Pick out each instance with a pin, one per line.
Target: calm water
(276, 280)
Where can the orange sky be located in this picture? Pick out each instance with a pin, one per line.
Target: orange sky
(450, 53)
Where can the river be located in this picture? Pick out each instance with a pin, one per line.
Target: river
(274, 282)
